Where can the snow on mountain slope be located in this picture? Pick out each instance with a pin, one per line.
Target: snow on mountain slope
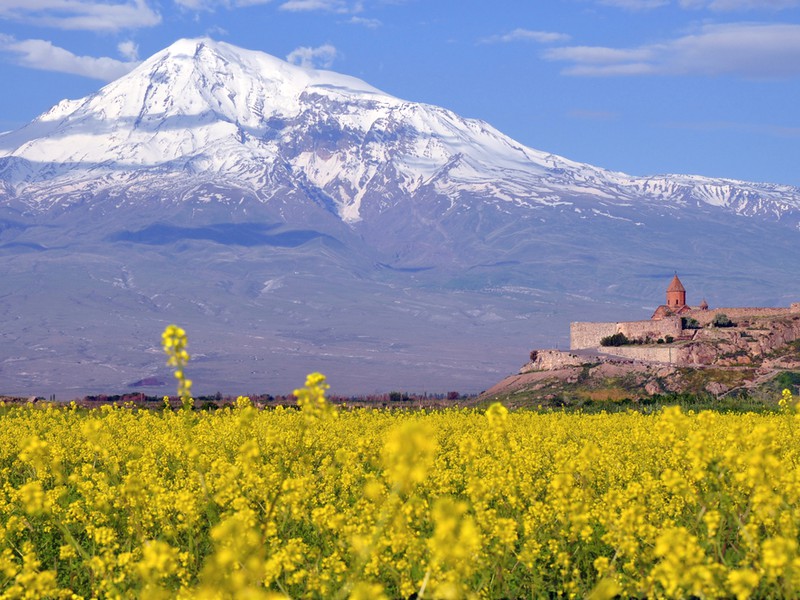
(208, 111)
(180, 101)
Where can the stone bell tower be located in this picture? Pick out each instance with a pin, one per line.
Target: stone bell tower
(676, 294)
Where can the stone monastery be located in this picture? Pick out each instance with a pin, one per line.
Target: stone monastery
(674, 321)
(755, 344)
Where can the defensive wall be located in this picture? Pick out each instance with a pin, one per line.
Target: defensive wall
(704, 317)
(663, 354)
(552, 360)
(584, 335)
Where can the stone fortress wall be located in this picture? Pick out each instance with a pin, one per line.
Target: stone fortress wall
(552, 360)
(659, 354)
(583, 335)
(704, 317)
(587, 336)
(640, 330)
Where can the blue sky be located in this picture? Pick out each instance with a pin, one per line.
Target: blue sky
(709, 87)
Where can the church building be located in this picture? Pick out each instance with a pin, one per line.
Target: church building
(676, 301)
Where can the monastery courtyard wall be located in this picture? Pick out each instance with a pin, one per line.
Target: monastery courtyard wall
(587, 336)
(704, 317)
(662, 354)
(583, 335)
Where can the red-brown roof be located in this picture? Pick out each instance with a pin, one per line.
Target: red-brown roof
(661, 312)
(676, 285)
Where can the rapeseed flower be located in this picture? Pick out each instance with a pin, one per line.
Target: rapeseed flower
(359, 503)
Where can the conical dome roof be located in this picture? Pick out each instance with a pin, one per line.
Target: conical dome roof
(676, 285)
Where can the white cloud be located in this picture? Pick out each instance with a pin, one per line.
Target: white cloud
(321, 57)
(715, 5)
(527, 35)
(782, 131)
(729, 5)
(754, 50)
(94, 15)
(43, 55)
(129, 50)
(210, 5)
(599, 55)
(198, 4)
(350, 7)
(369, 23)
(635, 4)
(216, 31)
(338, 6)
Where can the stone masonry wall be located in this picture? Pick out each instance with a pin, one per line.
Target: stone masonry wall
(551, 360)
(663, 354)
(639, 330)
(584, 335)
(588, 335)
(705, 346)
(704, 317)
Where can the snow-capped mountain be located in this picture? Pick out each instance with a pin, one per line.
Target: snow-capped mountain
(293, 219)
(207, 111)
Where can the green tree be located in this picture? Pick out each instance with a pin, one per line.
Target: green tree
(690, 323)
(722, 320)
(618, 339)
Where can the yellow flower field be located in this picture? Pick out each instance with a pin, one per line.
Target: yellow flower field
(119, 502)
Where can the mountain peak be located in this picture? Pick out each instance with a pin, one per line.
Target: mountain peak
(211, 59)
(190, 46)
(194, 94)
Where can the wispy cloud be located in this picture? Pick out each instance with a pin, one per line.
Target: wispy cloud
(211, 5)
(338, 6)
(526, 35)
(216, 31)
(634, 4)
(129, 50)
(319, 57)
(93, 15)
(715, 5)
(365, 22)
(753, 50)
(43, 55)
(333, 6)
(782, 131)
(345, 7)
(197, 5)
(732, 5)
